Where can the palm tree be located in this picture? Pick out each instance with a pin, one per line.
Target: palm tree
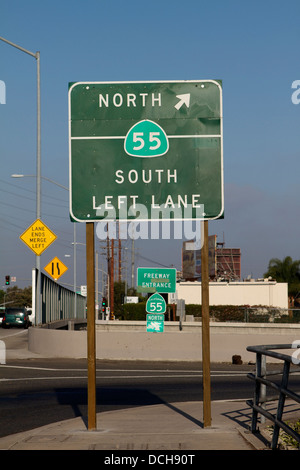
(286, 270)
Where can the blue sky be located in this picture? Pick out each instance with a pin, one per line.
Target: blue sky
(251, 46)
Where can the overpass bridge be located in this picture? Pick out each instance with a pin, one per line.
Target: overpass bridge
(58, 304)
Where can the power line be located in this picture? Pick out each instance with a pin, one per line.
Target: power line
(46, 196)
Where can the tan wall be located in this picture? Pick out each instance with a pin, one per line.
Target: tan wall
(120, 340)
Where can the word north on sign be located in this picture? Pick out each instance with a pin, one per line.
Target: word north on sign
(152, 150)
(155, 323)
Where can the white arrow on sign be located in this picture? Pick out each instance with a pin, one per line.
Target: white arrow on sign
(183, 99)
(154, 325)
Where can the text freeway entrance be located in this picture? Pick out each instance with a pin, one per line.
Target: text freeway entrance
(156, 280)
(153, 149)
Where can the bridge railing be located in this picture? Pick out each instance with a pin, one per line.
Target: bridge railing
(262, 382)
(58, 302)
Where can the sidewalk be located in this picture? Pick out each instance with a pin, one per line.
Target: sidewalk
(158, 427)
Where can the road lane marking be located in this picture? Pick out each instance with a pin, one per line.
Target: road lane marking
(119, 377)
(218, 373)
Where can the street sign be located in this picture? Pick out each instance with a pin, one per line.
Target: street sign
(156, 280)
(38, 237)
(156, 304)
(83, 291)
(131, 299)
(56, 268)
(155, 148)
(155, 323)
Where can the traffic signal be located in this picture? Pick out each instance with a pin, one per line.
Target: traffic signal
(7, 280)
(104, 303)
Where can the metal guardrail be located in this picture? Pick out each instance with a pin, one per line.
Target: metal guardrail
(262, 382)
(58, 302)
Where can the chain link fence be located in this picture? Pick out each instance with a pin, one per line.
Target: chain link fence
(245, 313)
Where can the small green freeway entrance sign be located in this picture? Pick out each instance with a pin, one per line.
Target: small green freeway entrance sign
(156, 280)
(152, 148)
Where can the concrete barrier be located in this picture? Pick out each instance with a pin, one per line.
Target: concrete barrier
(130, 341)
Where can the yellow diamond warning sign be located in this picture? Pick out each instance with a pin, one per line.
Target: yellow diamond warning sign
(38, 237)
(56, 268)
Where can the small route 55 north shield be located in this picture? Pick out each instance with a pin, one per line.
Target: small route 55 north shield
(156, 304)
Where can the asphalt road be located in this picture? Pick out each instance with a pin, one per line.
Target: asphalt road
(36, 392)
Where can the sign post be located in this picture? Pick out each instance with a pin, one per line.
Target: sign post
(205, 327)
(91, 334)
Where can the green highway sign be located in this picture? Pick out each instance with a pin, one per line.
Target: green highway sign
(156, 280)
(156, 304)
(152, 150)
(155, 323)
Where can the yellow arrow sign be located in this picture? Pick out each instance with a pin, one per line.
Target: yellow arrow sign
(56, 268)
(38, 237)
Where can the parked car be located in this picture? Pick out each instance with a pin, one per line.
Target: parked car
(15, 316)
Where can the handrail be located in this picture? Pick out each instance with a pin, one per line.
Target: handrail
(261, 382)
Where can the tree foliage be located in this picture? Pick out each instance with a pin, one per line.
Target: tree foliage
(285, 270)
(119, 295)
(16, 297)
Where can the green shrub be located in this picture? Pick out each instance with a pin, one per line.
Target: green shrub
(131, 312)
(218, 313)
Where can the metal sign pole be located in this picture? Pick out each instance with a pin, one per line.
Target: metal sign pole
(91, 343)
(205, 327)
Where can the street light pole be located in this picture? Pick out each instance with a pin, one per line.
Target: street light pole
(38, 163)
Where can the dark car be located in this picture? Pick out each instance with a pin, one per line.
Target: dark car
(15, 316)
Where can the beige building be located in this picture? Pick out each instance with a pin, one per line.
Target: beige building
(267, 293)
